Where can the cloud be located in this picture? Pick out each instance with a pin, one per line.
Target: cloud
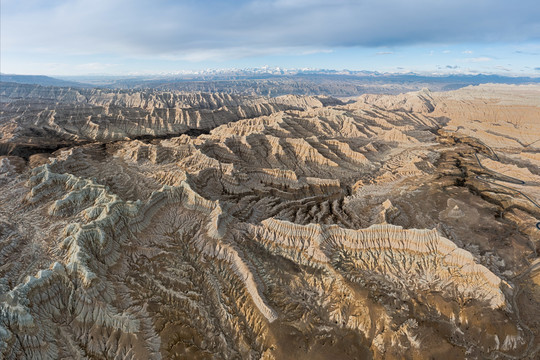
(452, 67)
(384, 53)
(499, 67)
(537, 69)
(526, 52)
(479, 59)
(95, 66)
(467, 52)
(240, 28)
(316, 51)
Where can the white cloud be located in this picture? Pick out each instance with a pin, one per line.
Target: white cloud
(499, 67)
(95, 66)
(204, 29)
(479, 59)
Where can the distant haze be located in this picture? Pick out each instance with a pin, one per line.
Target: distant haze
(61, 37)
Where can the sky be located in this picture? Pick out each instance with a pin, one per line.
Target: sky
(131, 37)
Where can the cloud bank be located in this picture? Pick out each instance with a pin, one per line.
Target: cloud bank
(196, 30)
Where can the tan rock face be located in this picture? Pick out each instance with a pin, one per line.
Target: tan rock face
(296, 227)
(44, 116)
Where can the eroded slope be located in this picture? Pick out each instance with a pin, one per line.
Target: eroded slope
(374, 229)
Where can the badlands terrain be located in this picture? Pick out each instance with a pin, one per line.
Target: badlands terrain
(276, 82)
(147, 224)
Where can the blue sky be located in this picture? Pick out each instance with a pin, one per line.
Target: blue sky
(79, 37)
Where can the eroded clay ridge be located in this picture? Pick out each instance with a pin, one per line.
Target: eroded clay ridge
(502, 116)
(293, 234)
(44, 316)
(34, 115)
(78, 289)
(415, 259)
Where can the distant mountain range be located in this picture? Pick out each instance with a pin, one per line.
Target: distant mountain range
(275, 81)
(40, 80)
